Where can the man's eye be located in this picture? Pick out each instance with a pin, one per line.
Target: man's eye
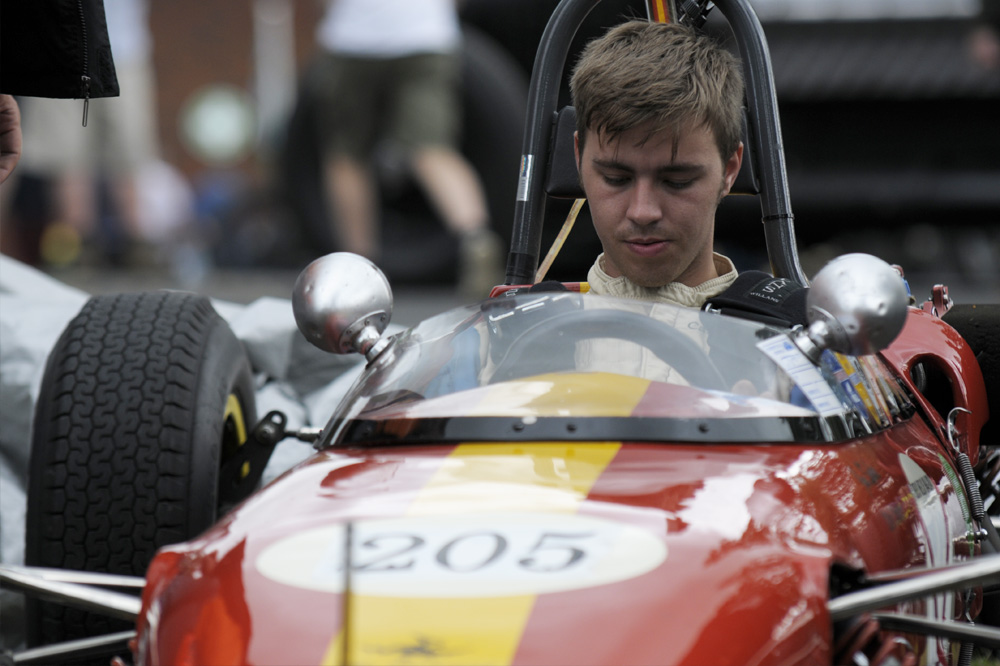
(678, 184)
(615, 181)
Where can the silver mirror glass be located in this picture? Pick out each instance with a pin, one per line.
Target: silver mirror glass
(856, 305)
(342, 304)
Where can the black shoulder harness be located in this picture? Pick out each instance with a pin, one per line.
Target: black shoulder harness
(762, 297)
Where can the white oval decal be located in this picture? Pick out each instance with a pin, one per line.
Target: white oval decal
(937, 544)
(492, 555)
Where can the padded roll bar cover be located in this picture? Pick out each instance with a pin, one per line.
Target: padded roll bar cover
(563, 182)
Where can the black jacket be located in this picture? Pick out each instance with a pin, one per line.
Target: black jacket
(55, 48)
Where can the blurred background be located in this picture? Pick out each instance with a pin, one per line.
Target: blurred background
(889, 111)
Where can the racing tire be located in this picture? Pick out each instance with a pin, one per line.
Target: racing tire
(979, 326)
(142, 397)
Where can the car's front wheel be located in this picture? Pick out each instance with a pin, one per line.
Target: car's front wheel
(143, 398)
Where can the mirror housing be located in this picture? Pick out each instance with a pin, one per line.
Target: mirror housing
(342, 304)
(856, 305)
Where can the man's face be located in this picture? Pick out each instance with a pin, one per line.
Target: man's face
(654, 208)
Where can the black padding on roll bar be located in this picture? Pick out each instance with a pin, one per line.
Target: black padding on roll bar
(561, 179)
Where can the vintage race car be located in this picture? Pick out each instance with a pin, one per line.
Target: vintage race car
(545, 477)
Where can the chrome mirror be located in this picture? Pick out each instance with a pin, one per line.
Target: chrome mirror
(342, 304)
(856, 305)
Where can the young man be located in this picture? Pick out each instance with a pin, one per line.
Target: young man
(658, 147)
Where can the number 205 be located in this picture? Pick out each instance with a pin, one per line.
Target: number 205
(470, 551)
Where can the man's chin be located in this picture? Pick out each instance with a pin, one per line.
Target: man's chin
(651, 275)
(649, 281)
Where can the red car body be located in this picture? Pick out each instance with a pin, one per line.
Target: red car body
(735, 545)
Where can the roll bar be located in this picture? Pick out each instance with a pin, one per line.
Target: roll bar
(762, 120)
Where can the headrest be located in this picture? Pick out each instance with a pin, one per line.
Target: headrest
(563, 182)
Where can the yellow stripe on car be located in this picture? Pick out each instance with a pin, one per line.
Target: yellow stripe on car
(474, 480)
(591, 394)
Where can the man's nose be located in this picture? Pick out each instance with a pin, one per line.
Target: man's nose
(644, 206)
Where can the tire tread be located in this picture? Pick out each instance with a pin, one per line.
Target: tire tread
(109, 447)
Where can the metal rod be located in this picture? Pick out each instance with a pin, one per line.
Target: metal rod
(894, 575)
(979, 634)
(306, 434)
(83, 577)
(76, 649)
(114, 604)
(347, 620)
(977, 572)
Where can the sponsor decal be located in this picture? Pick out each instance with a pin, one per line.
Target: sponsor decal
(963, 502)
(806, 376)
(930, 510)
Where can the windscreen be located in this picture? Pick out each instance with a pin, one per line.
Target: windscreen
(577, 354)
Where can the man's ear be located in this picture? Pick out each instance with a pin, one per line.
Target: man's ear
(576, 149)
(732, 168)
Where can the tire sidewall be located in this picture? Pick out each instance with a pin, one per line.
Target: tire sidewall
(224, 371)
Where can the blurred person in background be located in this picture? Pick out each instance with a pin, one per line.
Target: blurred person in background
(92, 172)
(389, 76)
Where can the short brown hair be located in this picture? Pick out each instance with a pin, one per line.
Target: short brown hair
(667, 74)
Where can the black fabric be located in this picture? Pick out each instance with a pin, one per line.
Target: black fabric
(48, 47)
(562, 179)
(762, 297)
